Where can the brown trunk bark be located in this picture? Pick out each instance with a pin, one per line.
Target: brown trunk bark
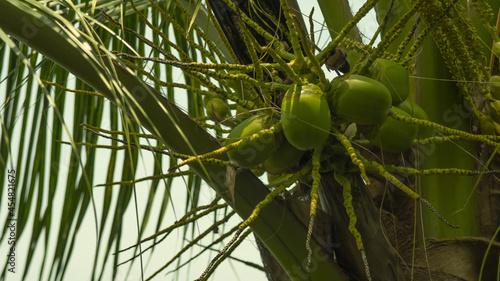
(383, 259)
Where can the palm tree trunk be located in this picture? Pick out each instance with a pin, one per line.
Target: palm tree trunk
(383, 260)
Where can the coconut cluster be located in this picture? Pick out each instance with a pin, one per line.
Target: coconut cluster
(307, 115)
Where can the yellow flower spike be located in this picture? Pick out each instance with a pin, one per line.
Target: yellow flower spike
(210, 154)
(199, 73)
(352, 154)
(384, 173)
(316, 67)
(187, 219)
(261, 31)
(255, 213)
(429, 124)
(90, 93)
(155, 177)
(269, 198)
(225, 255)
(247, 39)
(314, 199)
(163, 36)
(190, 245)
(226, 148)
(294, 36)
(219, 30)
(391, 35)
(316, 179)
(346, 192)
(278, 190)
(97, 130)
(367, 6)
(439, 139)
(438, 171)
(201, 33)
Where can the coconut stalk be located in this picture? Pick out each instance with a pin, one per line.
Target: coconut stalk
(335, 21)
(389, 13)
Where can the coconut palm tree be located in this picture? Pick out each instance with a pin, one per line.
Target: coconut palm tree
(371, 186)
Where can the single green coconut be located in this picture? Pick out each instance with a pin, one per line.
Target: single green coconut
(255, 152)
(394, 76)
(286, 157)
(217, 109)
(392, 135)
(305, 116)
(361, 100)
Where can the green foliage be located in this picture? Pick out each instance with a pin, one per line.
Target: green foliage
(243, 61)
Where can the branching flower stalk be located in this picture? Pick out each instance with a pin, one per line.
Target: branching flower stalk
(209, 156)
(444, 129)
(346, 192)
(316, 165)
(210, 208)
(343, 33)
(391, 35)
(255, 213)
(293, 66)
(392, 179)
(352, 154)
(191, 243)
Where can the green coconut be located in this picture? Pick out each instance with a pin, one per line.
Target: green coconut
(286, 157)
(487, 125)
(255, 152)
(361, 100)
(494, 84)
(217, 109)
(394, 76)
(392, 135)
(496, 49)
(305, 117)
(494, 106)
(415, 111)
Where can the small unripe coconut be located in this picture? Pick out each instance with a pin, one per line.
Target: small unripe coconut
(496, 49)
(415, 111)
(495, 110)
(394, 76)
(392, 135)
(255, 152)
(258, 170)
(217, 109)
(285, 158)
(487, 125)
(494, 85)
